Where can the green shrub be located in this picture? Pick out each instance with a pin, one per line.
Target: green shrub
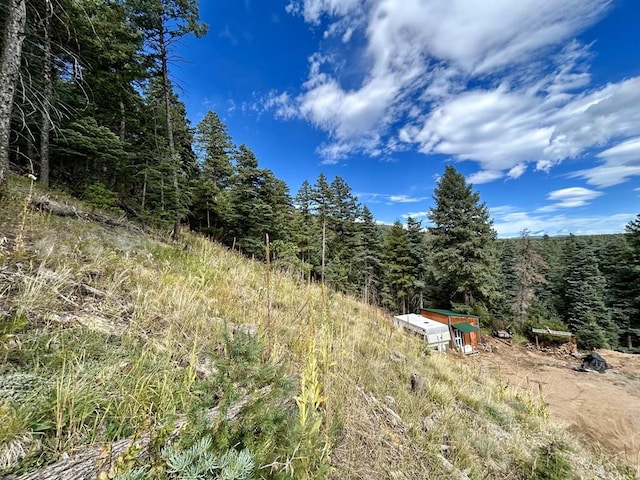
(550, 463)
(99, 196)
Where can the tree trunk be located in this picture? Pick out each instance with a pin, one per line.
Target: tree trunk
(175, 160)
(9, 70)
(123, 121)
(324, 244)
(144, 190)
(47, 83)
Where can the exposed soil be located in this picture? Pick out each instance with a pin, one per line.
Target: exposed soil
(602, 409)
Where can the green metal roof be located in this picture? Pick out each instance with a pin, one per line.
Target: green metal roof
(465, 327)
(449, 313)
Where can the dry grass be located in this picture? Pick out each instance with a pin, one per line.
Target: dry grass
(172, 306)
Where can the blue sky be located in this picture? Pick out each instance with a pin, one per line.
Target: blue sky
(536, 102)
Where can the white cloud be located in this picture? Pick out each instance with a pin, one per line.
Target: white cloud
(573, 197)
(595, 118)
(281, 104)
(619, 164)
(416, 215)
(512, 224)
(313, 10)
(517, 170)
(477, 37)
(484, 176)
(402, 198)
(502, 210)
(501, 83)
(347, 35)
(226, 33)
(390, 199)
(382, 222)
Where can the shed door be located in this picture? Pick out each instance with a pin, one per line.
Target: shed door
(458, 337)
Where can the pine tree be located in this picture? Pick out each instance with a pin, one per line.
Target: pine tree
(529, 269)
(164, 23)
(398, 278)
(321, 205)
(584, 299)
(551, 250)
(345, 247)
(463, 244)
(627, 286)
(304, 225)
(246, 205)
(278, 210)
(503, 310)
(417, 246)
(371, 262)
(215, 146)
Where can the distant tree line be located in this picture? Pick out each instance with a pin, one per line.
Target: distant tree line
(87, 105)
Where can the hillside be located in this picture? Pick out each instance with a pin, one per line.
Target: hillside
(114, 335)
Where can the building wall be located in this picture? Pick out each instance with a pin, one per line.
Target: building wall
(472, 338)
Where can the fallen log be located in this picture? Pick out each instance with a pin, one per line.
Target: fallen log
(61, 210)
(49, 205)
(87, 465)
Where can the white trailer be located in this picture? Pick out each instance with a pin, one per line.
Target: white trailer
(436, 334)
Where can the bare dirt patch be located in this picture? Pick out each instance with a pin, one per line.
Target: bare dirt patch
(603, 410)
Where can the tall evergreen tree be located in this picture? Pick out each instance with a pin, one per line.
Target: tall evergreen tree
(551, 250)
(164, 23)
(321, 205)
(627, 287)
(304, 224)
(463, 243)
(398, 278)
(417, 246)
(371, 275)
(278, 208)
(345, 247)
(245, 202)
(215, 146)
(529, 269)
(584, 299)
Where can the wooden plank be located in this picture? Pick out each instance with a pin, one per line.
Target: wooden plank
(553, 333)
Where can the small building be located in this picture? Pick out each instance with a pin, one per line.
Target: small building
(435, 333)
(463, 328)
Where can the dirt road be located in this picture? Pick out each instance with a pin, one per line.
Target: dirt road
(603, 409)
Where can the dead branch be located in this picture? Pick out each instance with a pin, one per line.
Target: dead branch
(57, 208)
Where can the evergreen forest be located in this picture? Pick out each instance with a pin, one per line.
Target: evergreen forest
(88, 106)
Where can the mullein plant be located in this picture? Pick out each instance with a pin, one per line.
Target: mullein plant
(312, 453)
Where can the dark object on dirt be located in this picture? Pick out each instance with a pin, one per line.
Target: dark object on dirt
(594, 363)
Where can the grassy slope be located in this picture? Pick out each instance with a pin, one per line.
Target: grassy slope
(156, 344)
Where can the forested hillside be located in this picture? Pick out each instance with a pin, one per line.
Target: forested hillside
(88, 105)
(130, 356)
